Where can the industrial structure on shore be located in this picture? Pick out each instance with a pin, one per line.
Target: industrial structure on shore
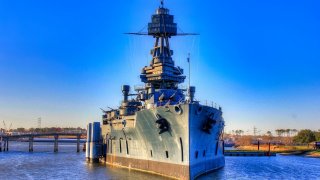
(161, 129)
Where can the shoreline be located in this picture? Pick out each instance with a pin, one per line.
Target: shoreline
(313, 154)
(304, 151)
(310, 154)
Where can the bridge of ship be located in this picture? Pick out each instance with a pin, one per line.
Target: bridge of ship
(4, 139)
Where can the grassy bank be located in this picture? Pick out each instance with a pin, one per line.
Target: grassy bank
(275, 148)
(315, 153)
(283, 150)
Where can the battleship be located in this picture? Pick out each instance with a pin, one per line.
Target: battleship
(160, 128)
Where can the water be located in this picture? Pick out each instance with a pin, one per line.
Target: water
(279, 167)
(67, 164)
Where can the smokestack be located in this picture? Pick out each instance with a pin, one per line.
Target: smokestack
(192, 91)
(125, 92)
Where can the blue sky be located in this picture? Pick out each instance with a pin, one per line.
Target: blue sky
(63, 60)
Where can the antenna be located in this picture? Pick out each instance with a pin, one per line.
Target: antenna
(188, 59)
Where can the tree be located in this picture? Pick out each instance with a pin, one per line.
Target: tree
(294, 131)
(278, 132)
(304, 136)
(21, 130)
(288, 131)
(239, 132)
(269, 133)
(317, 134)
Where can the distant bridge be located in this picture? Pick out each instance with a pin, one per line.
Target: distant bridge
(4, 139)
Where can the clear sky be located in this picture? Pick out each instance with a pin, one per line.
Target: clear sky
(63, 60)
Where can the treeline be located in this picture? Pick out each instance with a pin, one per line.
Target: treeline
(286, 132)
(307, 136)
(48, 130)
(279, 137)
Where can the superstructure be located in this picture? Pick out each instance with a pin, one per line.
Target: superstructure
(160, 128)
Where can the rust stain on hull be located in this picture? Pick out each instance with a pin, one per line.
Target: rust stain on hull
(175, 171)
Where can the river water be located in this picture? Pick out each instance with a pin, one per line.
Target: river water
(18, 163)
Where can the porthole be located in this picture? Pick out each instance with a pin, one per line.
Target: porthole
(199, 110)
(177, 109)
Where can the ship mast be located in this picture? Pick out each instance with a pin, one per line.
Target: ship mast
(162, 72)
(188, 59)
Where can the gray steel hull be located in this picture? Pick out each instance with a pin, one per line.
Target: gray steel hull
(185, 151)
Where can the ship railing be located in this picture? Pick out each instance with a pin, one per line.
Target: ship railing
(139, 87)
(183, 87)
(210, 104)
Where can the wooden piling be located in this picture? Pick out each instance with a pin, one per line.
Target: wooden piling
(7, 144)
(56, 137)
(78, 143)
(31, 144)
(4, 145)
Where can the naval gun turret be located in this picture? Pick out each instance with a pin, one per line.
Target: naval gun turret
(128, 107)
